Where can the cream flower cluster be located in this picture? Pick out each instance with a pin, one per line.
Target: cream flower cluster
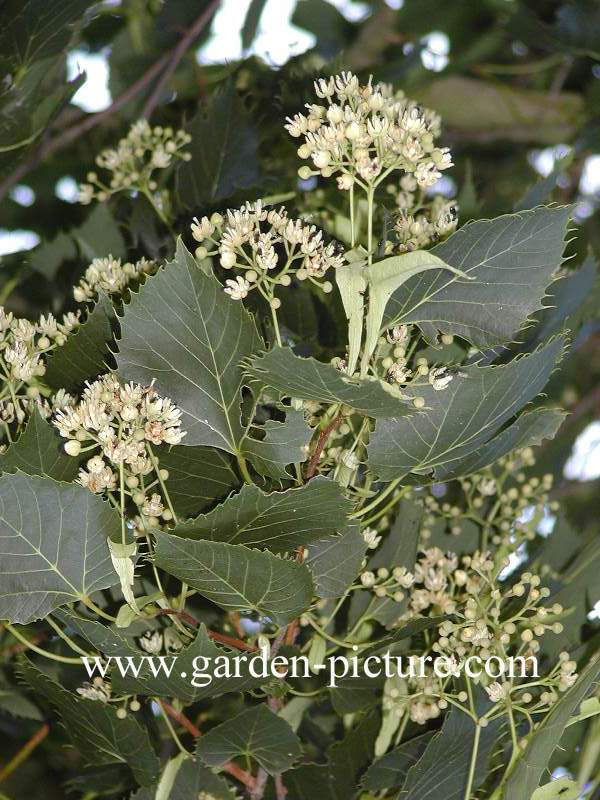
(133, 161)
(109, 275)
(366, 132)
(24, 346)
(123, 422)
(269, 246)
(487, 619)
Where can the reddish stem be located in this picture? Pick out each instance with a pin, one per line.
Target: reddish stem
(237, 772)
(218, 637)
(321, 441)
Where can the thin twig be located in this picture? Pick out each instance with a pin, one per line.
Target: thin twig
(235, 771)
(321, 441)
(218, 637)
(280, 790)
(24, 752)
(176, 56)
(91, 121)
(260, 783)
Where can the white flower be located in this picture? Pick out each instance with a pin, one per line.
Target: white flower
(439, 378)
(237, 289)
(496, 692)
(151, 642)
(371, 538)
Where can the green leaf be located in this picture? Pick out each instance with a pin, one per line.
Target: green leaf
(99, 235)
(39, 450)
(84, 353)
(186, 667)
(443, 769)
(48, 256)
(256, 733)
(33, 29)
(194, 780)
(486, 110)
(95, 730)
(336, 561)
(390, 771)
(280, 521)
(529, 430)
(250, 26)
(198, 476)
(53, 545)
(283, 444)
(236, 578)
(461, 418)
(529, 769)
(224, 151)
(184, 332)
(308, 379)
(512, 258)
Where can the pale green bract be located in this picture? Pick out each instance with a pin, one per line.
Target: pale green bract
(381, 279)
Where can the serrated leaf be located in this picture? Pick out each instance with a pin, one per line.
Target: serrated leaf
(33, 30)
(283, 443)
(84, 353)
(279, 521)
(99, 234)
(308, 379)
(39, 450)
(195, 780)
(52, 545)
(184, 332)
(336, 561)
(224, 151)
(13, 703)
(390, 771)
(443, 769)
(187, 661)
(461, 418)
(48, 256)
(236, 578)
(528, 430)
(198, 476)
(512, 258)
(256, 733)
(525, 777)
(570, 302)
(95, 730)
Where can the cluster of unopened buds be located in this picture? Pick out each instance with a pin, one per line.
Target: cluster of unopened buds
(420, 221)
(24, 346)
(502, 498)
(365, 132)
(268, 246)
(122, 423)
(111, 276)
(132, 163)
